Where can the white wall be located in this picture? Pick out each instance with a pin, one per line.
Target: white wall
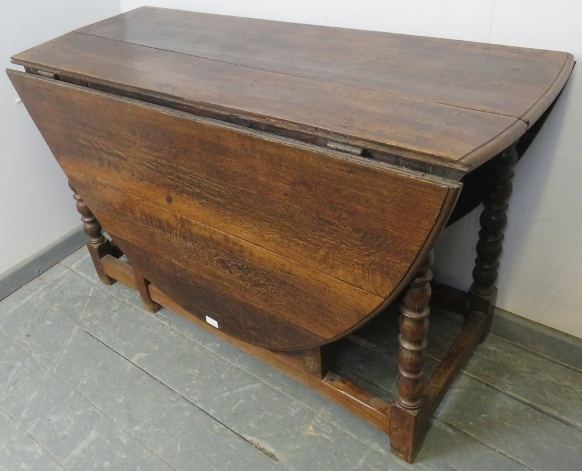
(541, 268)
(36, 206)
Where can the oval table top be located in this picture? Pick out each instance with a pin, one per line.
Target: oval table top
(444, 103)
(282, 244)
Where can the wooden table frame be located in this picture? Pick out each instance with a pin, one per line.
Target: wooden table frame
(287, 182)
(406, 419)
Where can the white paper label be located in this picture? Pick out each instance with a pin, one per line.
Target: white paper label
(212, 322)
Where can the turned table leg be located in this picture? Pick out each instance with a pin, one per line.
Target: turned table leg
(98, 244)
(483, 292)
(407, 423)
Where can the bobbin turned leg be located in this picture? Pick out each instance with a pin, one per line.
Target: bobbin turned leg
(98, 244)
(483, 293)
(407, 423)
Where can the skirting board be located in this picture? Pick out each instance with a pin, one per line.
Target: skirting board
(538, 338)
(41, 261)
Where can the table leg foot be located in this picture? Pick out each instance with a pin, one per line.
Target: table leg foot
(407, 431)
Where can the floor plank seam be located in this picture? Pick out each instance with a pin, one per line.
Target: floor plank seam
(373, 446)
(516, 397)
(436, 419)
(319, 412)
(472, 437)
(97, 283)
(455, 319)
(541, 355)
(20, 303)
(524, 401)
(190, 339)
(250, 442)
(34, 439)
(493, 387)
(122, 427)
(53, 373)
(249, 372)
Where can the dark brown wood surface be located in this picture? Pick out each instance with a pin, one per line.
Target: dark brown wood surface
(432, 100)
(367, 406)
(482, 77)
(406, 428)
(279, 241)
(285, 245)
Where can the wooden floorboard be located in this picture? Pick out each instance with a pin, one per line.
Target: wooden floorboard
(531, 437)
(176, 394)
(552, 388)
(19, 450)
(61, 421)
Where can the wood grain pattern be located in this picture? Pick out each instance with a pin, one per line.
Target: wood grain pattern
(486, 77)
(370, 408)
(243, 168)
(380, 91)
(98, 245)
(493, 221)
(368, 118)
(412, 341)
(286, 245)
(433, 132)
(216, 172)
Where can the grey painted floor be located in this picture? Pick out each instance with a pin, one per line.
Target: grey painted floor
(88, 380)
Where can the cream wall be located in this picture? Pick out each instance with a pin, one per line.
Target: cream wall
(541, 268)
(36, 206)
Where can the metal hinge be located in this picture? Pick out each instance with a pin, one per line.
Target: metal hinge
(345, 148)
(42, 73)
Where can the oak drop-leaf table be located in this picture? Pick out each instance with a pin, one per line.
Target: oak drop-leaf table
(281, 184)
